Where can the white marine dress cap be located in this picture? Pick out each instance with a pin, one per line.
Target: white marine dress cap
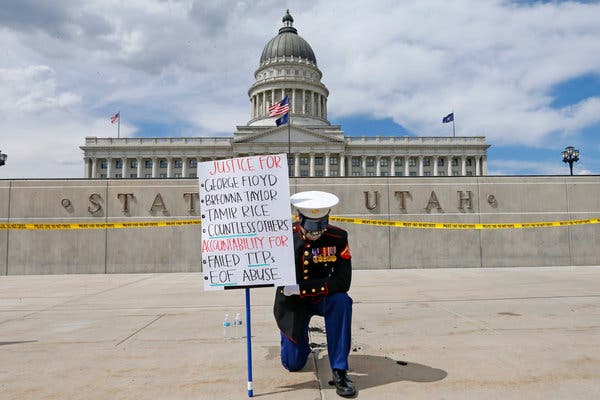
(314, 204)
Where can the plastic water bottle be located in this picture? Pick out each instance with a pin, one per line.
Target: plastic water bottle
(226, 325)
(237, 323)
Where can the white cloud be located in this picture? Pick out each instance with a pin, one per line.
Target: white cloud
(65, 67)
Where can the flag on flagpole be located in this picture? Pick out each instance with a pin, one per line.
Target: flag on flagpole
(284, 119)
(281, 107)
(448, 118)
(115, 118)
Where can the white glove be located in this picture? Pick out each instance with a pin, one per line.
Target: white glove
(291, 290)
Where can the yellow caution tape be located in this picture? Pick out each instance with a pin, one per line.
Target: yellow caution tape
(359, 221)
(438, 225)
(99, 225)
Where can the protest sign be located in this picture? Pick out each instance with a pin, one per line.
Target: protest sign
(246, 222)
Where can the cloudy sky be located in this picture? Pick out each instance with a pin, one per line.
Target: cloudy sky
(525, 74)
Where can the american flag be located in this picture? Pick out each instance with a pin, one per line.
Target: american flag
(114, 118)
(281, 107)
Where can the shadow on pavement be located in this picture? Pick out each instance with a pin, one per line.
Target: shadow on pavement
(370, 371)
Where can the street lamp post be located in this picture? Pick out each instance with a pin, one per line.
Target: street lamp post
(570, 155)
(2, 158)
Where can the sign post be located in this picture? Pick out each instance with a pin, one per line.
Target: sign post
(246, 227)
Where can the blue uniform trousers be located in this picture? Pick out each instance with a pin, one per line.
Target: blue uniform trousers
(337, 311)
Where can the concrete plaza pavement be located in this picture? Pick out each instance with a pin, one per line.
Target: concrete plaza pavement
(510, 333)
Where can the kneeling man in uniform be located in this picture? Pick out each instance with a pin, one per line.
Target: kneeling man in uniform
(323, 272)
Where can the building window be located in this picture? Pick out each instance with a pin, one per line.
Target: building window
(454, 173)
(148, 164)
(192, 175)
(163, 164)
(355, 173)
(119, 164)
(398, 173)
(177, 174)
(370, 161)
(118, 176)
(290, 161)
(318, 173)
(147, 175)
(469, 162)
(412, 162)
(303, 160)
(162, 175)
(333, 161)
(334, 173)
(426, 162)
(370, 173)
(133, 176)
(455, 162)
(412, 173)
(469, 173)
(103, 176)
(355, 162)
(384, 173)
(398, 162)
(133, 164)
(178, 163)
(440, 162)
(318, 160)
(441, 173)
(103, 165)
(303, 173)
(384, 162)
(426, 173)
(193, 163)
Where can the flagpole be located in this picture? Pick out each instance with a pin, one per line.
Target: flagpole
(453, 129)
(289, 134)
(119, 125)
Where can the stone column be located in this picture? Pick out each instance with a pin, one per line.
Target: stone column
(108, 167)
(377, 165)
(184, 167)
(324, 107)
(463, 165)
(304, 102)
(406, 166)
(420, 170)
(477, 166)
(484, 165)
(169, 167)
(293, 105)
(435, 166)
(296, 164)
(311, 165)
(449, 166)
(124, 168)
(140, 160)
(363, 165)
(327, 155)
(342, 164)
(313, 109)
(318, 105)
(94, 168)
(154, 167)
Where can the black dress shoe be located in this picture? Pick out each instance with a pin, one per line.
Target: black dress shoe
(343, 385)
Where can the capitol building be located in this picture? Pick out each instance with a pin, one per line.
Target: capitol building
(315, 147)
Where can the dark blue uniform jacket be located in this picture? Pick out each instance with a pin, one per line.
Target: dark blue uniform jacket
(323, 267)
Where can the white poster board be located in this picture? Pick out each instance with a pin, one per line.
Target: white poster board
(246, 222)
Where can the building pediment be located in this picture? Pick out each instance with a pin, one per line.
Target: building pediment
(279, 134)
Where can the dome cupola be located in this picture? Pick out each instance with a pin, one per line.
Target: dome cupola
(287, 44)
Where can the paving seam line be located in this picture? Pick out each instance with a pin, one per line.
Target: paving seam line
(139, 330)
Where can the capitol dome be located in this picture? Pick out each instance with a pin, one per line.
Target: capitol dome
(288, 67)
(287, 44)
